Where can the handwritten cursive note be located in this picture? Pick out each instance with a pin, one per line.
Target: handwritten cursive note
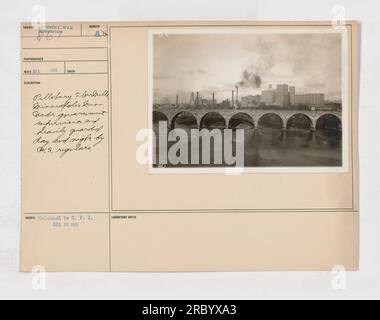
(69, 122)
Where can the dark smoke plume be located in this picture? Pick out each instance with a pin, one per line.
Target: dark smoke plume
(250, 80)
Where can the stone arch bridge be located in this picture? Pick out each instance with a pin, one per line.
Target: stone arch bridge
(254, 115)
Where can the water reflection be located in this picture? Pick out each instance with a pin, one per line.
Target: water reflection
(274, 147)
(268, 147)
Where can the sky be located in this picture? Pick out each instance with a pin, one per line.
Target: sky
(208, 63)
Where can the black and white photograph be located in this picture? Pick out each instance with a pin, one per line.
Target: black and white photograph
(190, 157)
(238, 98)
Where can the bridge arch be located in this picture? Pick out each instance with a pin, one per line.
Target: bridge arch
(213, 120)
(328, 122)
(184, 118)
(270, 120)
(159, 116)
(300, 121)
(241, 118)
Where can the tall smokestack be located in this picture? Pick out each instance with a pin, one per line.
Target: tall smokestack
(233, 98)
(213, 98)
(192, 98)
(197, 98)
(176, 100)
(237, 93)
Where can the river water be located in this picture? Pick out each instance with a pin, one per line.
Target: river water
(266, 147)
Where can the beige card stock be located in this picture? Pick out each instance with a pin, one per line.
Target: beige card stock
(89, 89)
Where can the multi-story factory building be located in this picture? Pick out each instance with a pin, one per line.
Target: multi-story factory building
(285, 96)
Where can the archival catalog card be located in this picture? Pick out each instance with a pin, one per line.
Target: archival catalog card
(189, 146)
